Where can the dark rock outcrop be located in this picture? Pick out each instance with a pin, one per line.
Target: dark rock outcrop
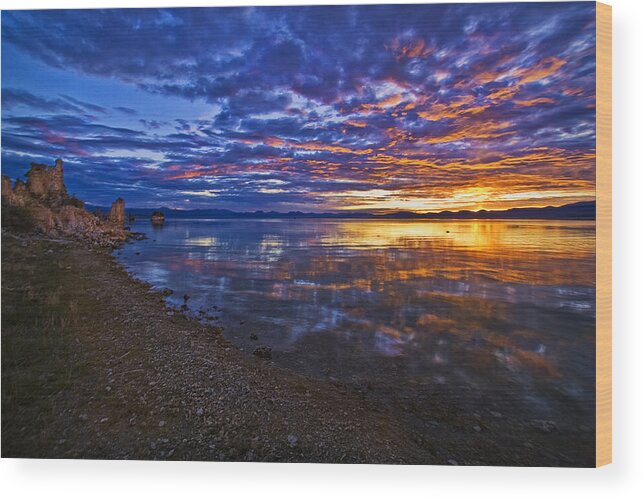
(43, 205)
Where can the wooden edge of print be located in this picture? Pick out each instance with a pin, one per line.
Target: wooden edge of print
(603, 234)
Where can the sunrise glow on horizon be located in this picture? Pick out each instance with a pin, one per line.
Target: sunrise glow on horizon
(378, 108)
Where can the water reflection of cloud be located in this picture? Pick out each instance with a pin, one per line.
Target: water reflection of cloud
(207, 241)
(485, 304)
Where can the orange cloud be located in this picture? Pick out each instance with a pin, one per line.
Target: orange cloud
(393, 100)
(274, 141)
(477, 131)
(318, 146)
(503, 93)
(535, 102)
(455, 108)
(357, 124)
(543, 69)
(573, 91)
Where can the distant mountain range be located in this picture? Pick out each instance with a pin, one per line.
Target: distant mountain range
(585, 210)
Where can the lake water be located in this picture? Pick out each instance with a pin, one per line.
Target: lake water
(485, 315)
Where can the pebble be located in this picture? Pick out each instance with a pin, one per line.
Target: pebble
(161, 424)
(199, 411)
(477, 428)
(292, 440)
(452, 462)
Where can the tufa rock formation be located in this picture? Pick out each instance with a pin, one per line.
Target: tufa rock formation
(46, 182)
(7, 191)
(117, 213)
(43, 205)
(157, 218)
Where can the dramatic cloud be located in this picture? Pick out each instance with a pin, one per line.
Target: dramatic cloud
(420, 107)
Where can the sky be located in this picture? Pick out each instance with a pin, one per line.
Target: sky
(377, 108)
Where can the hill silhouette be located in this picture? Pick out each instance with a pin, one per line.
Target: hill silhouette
(585, 210)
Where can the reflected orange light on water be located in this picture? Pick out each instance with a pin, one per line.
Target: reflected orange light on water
(501, 238)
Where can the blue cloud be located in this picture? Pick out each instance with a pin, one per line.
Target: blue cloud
(282, 107)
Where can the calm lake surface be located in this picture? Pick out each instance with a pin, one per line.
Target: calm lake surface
(494, 316)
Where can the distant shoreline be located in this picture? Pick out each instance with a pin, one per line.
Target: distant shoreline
(398, 219)
(585, 210)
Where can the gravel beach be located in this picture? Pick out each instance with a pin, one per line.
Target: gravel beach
(94, 367)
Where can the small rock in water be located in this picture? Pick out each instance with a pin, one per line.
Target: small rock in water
(263, 352)
(166, 291)
(186, 297)
(292, 440)
(254, 337)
